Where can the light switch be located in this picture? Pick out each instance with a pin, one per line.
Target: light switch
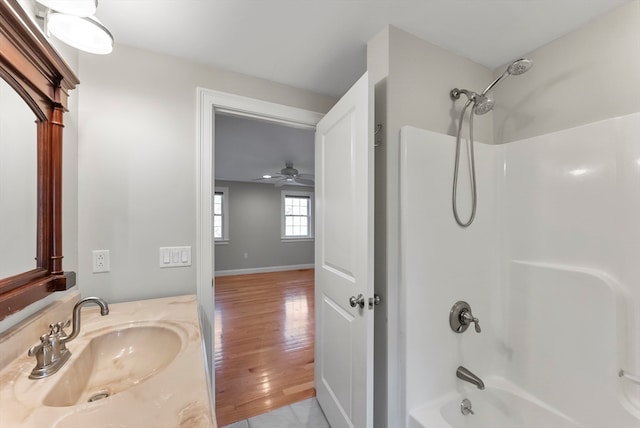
(175, 256)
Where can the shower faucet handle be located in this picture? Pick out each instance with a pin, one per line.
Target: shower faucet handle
(468, 318)
(460, 318)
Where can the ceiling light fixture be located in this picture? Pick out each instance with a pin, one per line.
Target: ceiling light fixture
(73, 23)
(82, 8)
(84, 33)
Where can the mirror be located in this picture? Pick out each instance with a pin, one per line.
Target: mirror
(36, 84)
(18, 183)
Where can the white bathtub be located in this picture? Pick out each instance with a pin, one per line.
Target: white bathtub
(500, 405)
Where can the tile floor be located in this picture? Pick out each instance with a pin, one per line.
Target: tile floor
(304, 414)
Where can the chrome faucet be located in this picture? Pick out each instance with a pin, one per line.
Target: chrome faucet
(104, 310)
(51, 353)
(467, 376)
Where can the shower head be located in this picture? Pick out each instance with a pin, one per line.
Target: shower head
(482, 105)
(519, 66)
(516, 68)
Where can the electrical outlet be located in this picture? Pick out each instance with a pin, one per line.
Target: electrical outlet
(101, 261)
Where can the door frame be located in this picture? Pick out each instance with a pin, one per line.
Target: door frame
(209, 103)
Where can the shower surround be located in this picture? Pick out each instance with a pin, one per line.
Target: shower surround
(550, 267)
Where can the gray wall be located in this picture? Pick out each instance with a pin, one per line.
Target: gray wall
(137, 162)
(254, 229)
(589, 75)
(413, 79)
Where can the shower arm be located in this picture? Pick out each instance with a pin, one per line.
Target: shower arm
(495, 82)
(455, 94)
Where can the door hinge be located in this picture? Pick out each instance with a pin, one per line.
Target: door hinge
(374, 301)
(377, 135)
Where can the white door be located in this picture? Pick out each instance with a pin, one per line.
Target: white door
(344, 259)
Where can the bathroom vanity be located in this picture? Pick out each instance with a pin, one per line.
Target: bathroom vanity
(141, 365)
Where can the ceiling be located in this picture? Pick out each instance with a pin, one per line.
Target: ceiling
(320, 45)
(246, 149)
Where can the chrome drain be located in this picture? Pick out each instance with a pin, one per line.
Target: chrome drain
(98, 396)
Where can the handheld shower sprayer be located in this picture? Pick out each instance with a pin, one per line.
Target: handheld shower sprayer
(482, 104)
(516, 68)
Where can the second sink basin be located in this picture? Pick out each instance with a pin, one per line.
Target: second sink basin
(113, 362)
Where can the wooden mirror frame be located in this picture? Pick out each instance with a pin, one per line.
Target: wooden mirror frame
(30, 65)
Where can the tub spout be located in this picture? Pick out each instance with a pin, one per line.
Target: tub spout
(467, 376)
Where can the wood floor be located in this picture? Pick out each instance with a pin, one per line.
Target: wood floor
(264, 342)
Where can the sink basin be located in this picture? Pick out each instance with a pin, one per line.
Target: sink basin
(144, 364)
(113, 362)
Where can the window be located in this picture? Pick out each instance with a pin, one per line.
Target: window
(221, 214)
(297, 219)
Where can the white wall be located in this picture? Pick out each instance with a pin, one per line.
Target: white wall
(254, 229)
(570, 207)
(442, 263)
(137, 162)
(554, 242)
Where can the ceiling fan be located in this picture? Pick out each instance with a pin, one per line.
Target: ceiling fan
(289, 176)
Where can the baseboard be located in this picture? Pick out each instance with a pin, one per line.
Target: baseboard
(262, 270)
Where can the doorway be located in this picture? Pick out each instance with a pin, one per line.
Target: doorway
(211, 103)
(264, 253)
(263, 203)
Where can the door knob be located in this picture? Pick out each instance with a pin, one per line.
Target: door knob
(356, 301)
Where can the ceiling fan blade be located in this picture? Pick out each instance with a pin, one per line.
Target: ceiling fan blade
(282, 182)
(304, 181)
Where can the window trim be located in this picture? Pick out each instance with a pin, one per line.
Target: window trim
(225, 215)
(302, 194)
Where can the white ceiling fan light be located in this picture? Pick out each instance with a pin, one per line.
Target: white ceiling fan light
(84, 33)
(81, 8)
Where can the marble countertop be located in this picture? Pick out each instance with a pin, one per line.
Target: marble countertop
(177, 396)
